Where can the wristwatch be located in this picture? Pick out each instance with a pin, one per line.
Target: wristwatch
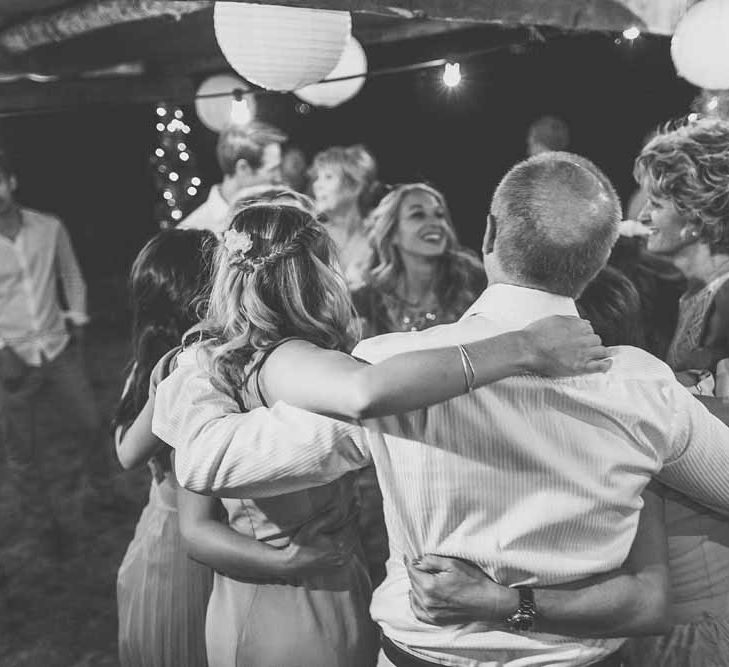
(523, 618)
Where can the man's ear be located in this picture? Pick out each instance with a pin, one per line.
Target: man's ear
(242, 167)
(489, 237)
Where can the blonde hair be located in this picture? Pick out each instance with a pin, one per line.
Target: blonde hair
(357, 167)
(286, 285)
(461, 276)
(689, 166)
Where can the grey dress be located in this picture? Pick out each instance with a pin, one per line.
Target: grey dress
(321, 620)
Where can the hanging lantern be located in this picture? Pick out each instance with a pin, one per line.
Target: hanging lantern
(280, 48)
(700, 45)
(217, 112)
(352, 63)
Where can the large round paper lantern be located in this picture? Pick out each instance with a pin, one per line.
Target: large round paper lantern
(352, 63)
(217, 112)
(700, 45)
(280, 48)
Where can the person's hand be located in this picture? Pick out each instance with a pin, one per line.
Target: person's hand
(316, 548)
(12, 368)
(77, 333)
(562, 345)
(448, 590)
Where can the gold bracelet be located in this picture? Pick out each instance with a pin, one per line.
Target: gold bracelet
(468, 370)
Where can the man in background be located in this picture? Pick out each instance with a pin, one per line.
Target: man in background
(40, 349)
(547, 133)
(249, 156)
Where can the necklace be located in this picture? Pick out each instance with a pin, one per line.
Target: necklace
(408, 316)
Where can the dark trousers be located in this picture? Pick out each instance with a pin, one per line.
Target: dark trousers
(63, 385)
(400, 658)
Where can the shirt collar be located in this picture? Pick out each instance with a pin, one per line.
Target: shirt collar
(520, 306)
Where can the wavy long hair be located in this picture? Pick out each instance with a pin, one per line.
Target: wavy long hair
(287, 284)
(461, 276)
(167, 283)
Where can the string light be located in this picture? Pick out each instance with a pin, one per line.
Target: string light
(161, 111)
(184, 156)
(174, 176)
(178, 113)
(176, 214)
(631, 33)
(712, 104)
(195, 180)
(240, 112)
(452, 74)
(192, 191)
(160, 127)
(159, 152)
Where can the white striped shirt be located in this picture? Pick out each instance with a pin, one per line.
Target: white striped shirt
(536, 480)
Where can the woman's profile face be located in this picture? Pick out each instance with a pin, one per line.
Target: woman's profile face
(422, 227)
(330, 191)
(666, 225)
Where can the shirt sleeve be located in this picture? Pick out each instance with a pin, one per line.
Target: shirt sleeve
(72, 281)
(265, 452)
(699, 465)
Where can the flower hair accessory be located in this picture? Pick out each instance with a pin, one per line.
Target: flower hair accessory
(237, 242)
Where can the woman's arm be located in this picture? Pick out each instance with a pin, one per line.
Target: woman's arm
(136, 445)
(630, 601)
(312, 549)
(330, 382)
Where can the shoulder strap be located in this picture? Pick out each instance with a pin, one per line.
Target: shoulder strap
(264, 356)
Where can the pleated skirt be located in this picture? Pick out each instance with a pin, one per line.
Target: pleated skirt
(162, 595)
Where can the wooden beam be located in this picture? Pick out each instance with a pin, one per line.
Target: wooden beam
(36, 98)
(404, 30)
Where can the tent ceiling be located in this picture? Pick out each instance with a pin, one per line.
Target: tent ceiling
(171, 40)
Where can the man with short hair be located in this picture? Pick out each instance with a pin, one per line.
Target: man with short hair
(537, 481)
(40, 345)
(248, 156)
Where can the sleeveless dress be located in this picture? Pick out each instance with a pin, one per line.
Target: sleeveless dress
(313, 621)
(162, 594)
(698, 543)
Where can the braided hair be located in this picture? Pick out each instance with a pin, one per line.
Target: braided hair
(279, 279)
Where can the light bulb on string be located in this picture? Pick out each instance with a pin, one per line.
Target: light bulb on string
(712, 104)
(192, 191)
(161, 111)
(631, 33)
(174, 176)
(184, 156)
(159, 152)
(240, 111)
(195, 180)
(452, 74)
(160, 127)
(178, 113)
(176, 214)
(181, 147)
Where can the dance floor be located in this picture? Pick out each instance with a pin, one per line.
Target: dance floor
(58, 609)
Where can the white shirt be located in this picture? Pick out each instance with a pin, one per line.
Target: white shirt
(536, 480)
(212, 214)
(31, 319)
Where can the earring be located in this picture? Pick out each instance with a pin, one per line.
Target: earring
(689, 234)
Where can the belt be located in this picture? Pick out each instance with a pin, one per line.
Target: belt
(401, 658)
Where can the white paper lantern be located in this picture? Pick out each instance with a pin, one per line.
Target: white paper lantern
(280, 48)
(217, 112)
(700, 45)
(353, 62)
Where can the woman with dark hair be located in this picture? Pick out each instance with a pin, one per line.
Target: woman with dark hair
(419, 275)
(161, 594)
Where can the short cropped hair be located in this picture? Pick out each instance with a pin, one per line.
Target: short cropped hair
(246, 142)
(689, 166)
(556, 217)
(551, 132)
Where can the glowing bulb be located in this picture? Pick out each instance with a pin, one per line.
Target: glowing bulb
(693, 117)
(174, 176)
(712, 104)
(240, 112)
(184, 156)
(191, 191)
(167, 194)
(195, 180)
(452, 74)
(178, 113)
(176, 214)
(159, 152)
(161, 111)
(160, 127)
(186, 129)
(631, 33)
(181, 146)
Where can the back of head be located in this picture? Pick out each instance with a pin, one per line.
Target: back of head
(280, 194)
(612, 304)
(688, 165)
(556, 217)
(246, 142)
(167, 283)
(275, 277)
(548, 133)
